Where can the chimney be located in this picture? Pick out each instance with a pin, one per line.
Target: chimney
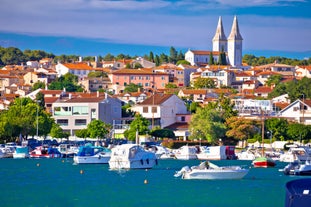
(97, 94)
(80, 59)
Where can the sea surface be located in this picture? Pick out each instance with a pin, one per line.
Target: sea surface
(60, 183)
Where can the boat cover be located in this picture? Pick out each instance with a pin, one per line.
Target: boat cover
(298, 193)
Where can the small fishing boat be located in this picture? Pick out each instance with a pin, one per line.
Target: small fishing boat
(89, 154)
(210, 171)
(264, 162)
(131, 156)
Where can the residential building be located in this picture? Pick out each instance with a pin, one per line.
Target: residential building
(303, 71)
(75, 111)
(79, 69)
(221, 77)
(148, 78)
(298, 111)
(161, 109)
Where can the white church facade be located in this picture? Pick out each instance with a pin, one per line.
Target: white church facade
(232, 46)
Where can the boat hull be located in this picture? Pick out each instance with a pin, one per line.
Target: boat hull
(264, 162)
(97, 159)
(133, 164)
(216, 174)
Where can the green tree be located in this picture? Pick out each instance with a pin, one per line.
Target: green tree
(108, 57)
(157, 60)
(132, 87)
(67, 81)
(57, 132)
(82, 133)
(163, 133)
(173, 55)
(139, 124)
(37, 85)
(207, 124)
(204, 83)
(274, 80)
(277, 127)
(170, 85)
(98, 129)
(211, 59)
(182, 62)
(241, 128)
(151, 57)
(297, 131)
(12, 56)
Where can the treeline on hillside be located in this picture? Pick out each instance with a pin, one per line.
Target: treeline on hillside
(14, 56)
(252, 60)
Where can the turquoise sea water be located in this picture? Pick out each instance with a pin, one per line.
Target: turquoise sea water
(58, 182)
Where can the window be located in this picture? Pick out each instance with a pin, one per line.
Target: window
(80, 122)
(93, 114)
(154, 109)
(183, 118)
(145, 109)
(80, 110)
(62, 122)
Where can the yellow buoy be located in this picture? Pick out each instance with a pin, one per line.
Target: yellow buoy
(81, 171)
(146, 181)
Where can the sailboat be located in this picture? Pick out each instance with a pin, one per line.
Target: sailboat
(263, 161)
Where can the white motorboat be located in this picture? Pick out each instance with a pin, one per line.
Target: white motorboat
(298, 168)
(210, 171)
(89, 154)
(161, 152)
(249, 154)
(301, 153)
(131, 156)
(21, 152)
(186, 153)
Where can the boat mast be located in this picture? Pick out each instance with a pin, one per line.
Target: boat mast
(262, 132)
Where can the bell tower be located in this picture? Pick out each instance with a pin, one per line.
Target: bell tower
(235, 44)
(219, 40)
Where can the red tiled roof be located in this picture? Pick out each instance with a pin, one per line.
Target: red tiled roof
(156, 99)
(263, 89)
(78, 66)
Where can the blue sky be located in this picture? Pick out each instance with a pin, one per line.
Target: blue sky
(136, 27)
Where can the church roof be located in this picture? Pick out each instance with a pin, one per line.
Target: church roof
(220, 34)
(235, 32)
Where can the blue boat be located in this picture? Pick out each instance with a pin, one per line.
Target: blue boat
(298, 193)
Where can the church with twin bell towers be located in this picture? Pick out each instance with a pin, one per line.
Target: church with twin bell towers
(232, 46)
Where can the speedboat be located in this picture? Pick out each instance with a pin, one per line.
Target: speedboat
(210, 171)
(89, 154)
(131, 156)
(298, 168)
(21, 152)
(45, 152)
(186, 153)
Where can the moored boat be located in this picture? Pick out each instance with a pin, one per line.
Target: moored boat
(131, 156)
(45, 152)
(21, 152)
(186, 153)
(298, 168)
(210, 171)
(263, 162)
(89, 154)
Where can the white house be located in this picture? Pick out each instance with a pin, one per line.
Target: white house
(299, 111)
(161, 109)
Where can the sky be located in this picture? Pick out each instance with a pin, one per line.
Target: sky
(136, 27)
